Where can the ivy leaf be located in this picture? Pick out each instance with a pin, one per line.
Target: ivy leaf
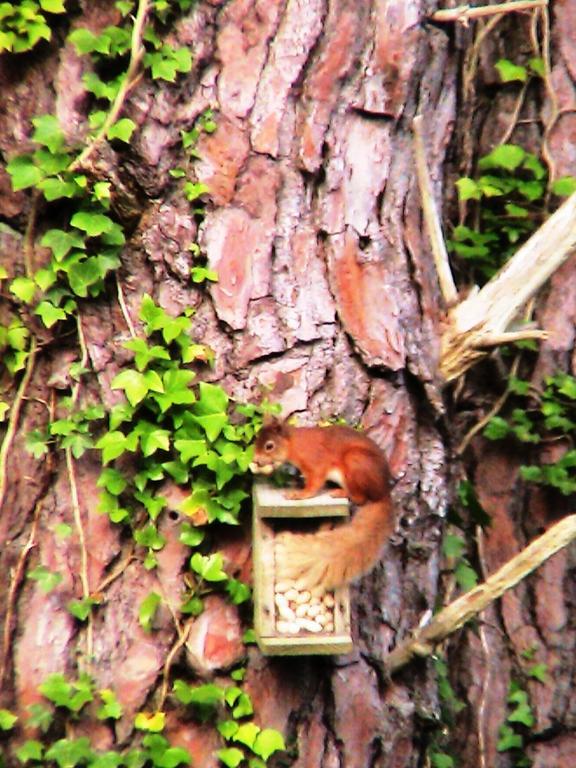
(231, 757)
(30, 750)
(267, 742)
(510, 72)
(70, 752)
(7, 720)
(208, 567)
(194, 190)
(48, 132)
(144, 354)
(36, 443)
(24, 172)
(507, 156)
(204, 698)
(134, 385)
(81, 609)
(201, 274)
(52, 6)
(54, 188)
(538, 672)
(227, 729)
(453, 546)
(536, 64)
(189, 449)
(23, 288)
(212, 424)
(564, 186)
(47, 580)
(150, 721)
(40, 717)
(112, 480)
(497, 428)
(465, 576)
(239, 591)
(49, 313)
(61, 242)
(111, 708)
(468, 189)
(243, 706)
(123, 130)
(191, 536)
(115, 443)
(94, 224)
(83, 275)
(146, 613)
(442, 760)
(155, 440)
(172, 757)
(149, 537)
(246, 734)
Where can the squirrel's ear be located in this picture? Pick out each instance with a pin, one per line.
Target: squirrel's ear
(271, 421)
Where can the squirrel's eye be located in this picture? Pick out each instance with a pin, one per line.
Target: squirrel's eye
(269, 446)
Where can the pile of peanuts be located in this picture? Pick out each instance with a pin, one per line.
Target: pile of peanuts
(300, 611)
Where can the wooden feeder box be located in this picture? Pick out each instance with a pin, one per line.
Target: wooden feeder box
(275, 636)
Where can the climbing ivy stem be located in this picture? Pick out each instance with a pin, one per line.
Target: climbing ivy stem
(76, 510)
(124, 308)
(131, 78)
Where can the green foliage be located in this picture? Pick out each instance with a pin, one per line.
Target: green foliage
(454, 548)
(47, 579)
(7, 720)
(23, 24)
(14, 347)
(171, 427)
(512, 732)
(510, 193)
(546, 415)
(510, 72)
(148, 608)
(450, 706)
(70, 695)
(176, 428)
(73, 696)
(245, 740)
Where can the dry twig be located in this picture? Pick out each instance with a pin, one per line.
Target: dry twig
(467, 13)
(439, 252)
(466, 607)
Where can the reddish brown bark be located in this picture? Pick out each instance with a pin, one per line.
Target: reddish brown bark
(327, 295)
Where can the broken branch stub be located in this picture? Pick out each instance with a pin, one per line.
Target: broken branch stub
(483, 319)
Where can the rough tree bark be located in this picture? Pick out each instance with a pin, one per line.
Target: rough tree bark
(328, 296)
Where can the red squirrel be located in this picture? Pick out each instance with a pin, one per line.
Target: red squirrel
(329, 558)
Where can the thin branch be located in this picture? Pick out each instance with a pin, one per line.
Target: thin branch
(124, 308)
(180, 641)
(484, 317)
(466, 13)
(433, 225)
(131, 78)
(466, 607)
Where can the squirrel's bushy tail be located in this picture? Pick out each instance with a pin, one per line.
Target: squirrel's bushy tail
(330, 559)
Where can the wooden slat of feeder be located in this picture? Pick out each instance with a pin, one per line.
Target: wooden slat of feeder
(271, 502)
(305, 645)
(263, 559)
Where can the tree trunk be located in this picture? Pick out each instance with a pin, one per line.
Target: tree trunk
(327, 302)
